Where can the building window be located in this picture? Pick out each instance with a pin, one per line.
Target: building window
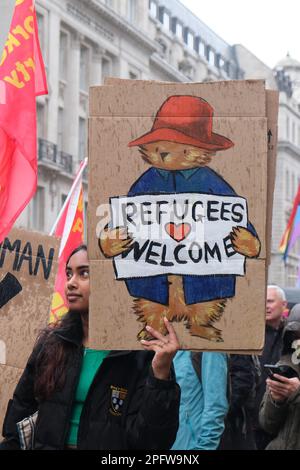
(165, 18)
(38, 210)
(228, 68)
(202, 48)
(41, 124)
(189, 39)
(131, 10)
(60, 128)
(287, 185)
(177, 28)
(106, 69)
(84, 68)
(41, 30)
(197, 42)
(287, 128)
(153, 7)
(82, 139)
(211, 57)
(217, 60)
(63, 56)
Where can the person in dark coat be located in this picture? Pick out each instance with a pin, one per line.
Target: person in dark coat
(276, 304)
(280, 411)
(239, 423)
(294, 314)
(88, 399)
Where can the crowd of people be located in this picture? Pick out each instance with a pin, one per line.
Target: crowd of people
(72, 397)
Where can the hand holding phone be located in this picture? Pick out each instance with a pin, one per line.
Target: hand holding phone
(284, 370)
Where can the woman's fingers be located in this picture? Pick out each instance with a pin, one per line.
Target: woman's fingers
(172, 334)
(157, 334)
(153, 342)
(170, 338)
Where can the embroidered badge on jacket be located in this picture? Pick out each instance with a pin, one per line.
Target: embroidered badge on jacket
(118, 396)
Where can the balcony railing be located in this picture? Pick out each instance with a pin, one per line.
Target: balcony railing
(49, 153)
(65, 160)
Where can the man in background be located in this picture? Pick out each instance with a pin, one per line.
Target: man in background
(276, 305)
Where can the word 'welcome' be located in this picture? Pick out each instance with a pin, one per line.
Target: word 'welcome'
(186, 233)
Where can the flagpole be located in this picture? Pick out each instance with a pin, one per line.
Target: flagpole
(78, 176)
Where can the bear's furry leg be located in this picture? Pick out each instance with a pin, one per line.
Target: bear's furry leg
(201, 316)
(152, 314)
(198, 318)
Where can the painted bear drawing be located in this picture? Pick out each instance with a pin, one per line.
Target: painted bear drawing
(179, 148)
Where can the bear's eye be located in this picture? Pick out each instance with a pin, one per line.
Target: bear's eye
(185, 152)
(156, 150)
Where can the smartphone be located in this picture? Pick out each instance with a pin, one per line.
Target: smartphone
(284, 370)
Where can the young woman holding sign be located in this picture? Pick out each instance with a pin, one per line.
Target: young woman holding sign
(88, 399)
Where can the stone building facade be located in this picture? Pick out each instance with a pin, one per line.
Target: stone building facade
(83, 41)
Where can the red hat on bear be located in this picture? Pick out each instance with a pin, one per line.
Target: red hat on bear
(186, 120)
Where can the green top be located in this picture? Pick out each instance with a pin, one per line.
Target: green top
(92, 360)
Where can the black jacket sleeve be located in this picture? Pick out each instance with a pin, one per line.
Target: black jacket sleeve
(153, 418)
(23, 404)
(242, 379)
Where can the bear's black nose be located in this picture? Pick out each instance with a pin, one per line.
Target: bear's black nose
(164, 154)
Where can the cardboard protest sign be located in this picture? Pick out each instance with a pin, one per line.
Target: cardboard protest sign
(179, 236)
(272, 106)
(27, 273)
(28, 264)
(182, 226)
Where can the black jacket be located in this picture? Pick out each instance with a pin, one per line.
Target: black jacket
(238, 433)
(145, 418)
(271, 354)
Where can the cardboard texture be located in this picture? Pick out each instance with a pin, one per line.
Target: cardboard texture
(122, 112)
(113, 101)
(272, 107)
(109, 138)
(243, 328)
(30, 258)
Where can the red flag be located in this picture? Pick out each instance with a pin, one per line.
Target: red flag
(71, 230)
(22, 78)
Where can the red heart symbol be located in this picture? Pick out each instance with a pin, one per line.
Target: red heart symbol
(178, 231)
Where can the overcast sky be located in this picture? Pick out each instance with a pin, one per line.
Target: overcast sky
(268, 28)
